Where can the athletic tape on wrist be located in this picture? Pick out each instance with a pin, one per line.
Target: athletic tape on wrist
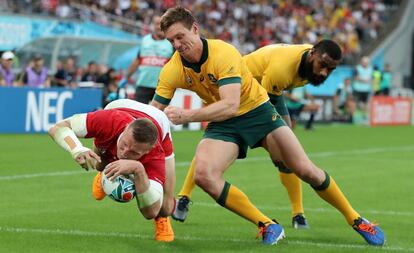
(154, 193)
(67, 139)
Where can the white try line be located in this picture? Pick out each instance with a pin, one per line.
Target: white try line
(249, 159)
(192, 238)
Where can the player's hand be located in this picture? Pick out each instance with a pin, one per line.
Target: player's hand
(88, 159)
(122, 167)
(176, 115)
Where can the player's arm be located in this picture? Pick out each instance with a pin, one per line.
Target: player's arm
(100, 166)
(226, 108)
(167, 83)
(158, 105)
(149, 192)
(66, 132)
(132, 68)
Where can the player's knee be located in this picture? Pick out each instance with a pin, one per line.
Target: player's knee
(282, 167)
(202, 174)
(305, 170)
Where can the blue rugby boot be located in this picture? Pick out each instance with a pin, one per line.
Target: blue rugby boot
(271, 233)
(370, 231)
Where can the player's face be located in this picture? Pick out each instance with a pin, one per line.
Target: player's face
(318, 67)
(157, 28)
(128, 148)
(183, 40)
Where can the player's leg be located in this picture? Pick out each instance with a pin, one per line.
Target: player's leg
(290, 181)
(282, 143)
(208, 175)
(184, 196)
(163, 229)
(189, 183)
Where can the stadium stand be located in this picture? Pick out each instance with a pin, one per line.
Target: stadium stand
(246, 24)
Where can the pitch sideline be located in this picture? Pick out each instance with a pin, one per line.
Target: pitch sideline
(351, 152)
(191, 238)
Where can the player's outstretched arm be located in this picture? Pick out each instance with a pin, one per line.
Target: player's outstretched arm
(227, 107)
(64, 135)
(149, 192)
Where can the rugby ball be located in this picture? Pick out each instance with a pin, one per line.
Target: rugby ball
(122, 189)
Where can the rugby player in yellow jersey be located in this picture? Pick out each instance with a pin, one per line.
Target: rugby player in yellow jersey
(281, 67)
(240, 115)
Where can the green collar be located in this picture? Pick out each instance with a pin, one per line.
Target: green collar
(204, 55)
(301, 70)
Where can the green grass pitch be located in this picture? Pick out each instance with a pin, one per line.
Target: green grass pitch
(46, 203)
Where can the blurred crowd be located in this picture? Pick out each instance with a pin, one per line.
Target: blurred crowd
(246, 24)
(68, 75)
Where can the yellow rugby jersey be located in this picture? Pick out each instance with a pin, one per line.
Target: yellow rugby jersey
(220, 64)
(276, 66)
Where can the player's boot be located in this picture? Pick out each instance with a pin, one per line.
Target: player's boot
(370, 231)
(181, 209)
(97, 190)
(163, 229)
(271, 233)
(299, 222)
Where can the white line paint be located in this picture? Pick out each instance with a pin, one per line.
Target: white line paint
(192, 238)
(47, 174)
(280, 208)
(248, 160)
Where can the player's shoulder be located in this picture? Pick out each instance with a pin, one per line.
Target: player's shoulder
(174, 63)
(282, 47)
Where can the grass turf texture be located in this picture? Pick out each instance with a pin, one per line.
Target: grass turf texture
(46, 203)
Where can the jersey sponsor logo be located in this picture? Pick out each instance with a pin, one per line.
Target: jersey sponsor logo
(154, 61)
(275, 116)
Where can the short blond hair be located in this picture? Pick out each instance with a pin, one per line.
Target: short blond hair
(177, 14)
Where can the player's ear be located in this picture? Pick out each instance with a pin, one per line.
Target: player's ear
(311, 52)
(195, 28)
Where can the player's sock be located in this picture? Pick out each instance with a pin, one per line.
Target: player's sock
(330, 192)
(293, 187)
(236, 201)
(189, 183)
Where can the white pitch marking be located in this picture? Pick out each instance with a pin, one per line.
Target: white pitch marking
(250, 159)
(192, 238)
(320, 154)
